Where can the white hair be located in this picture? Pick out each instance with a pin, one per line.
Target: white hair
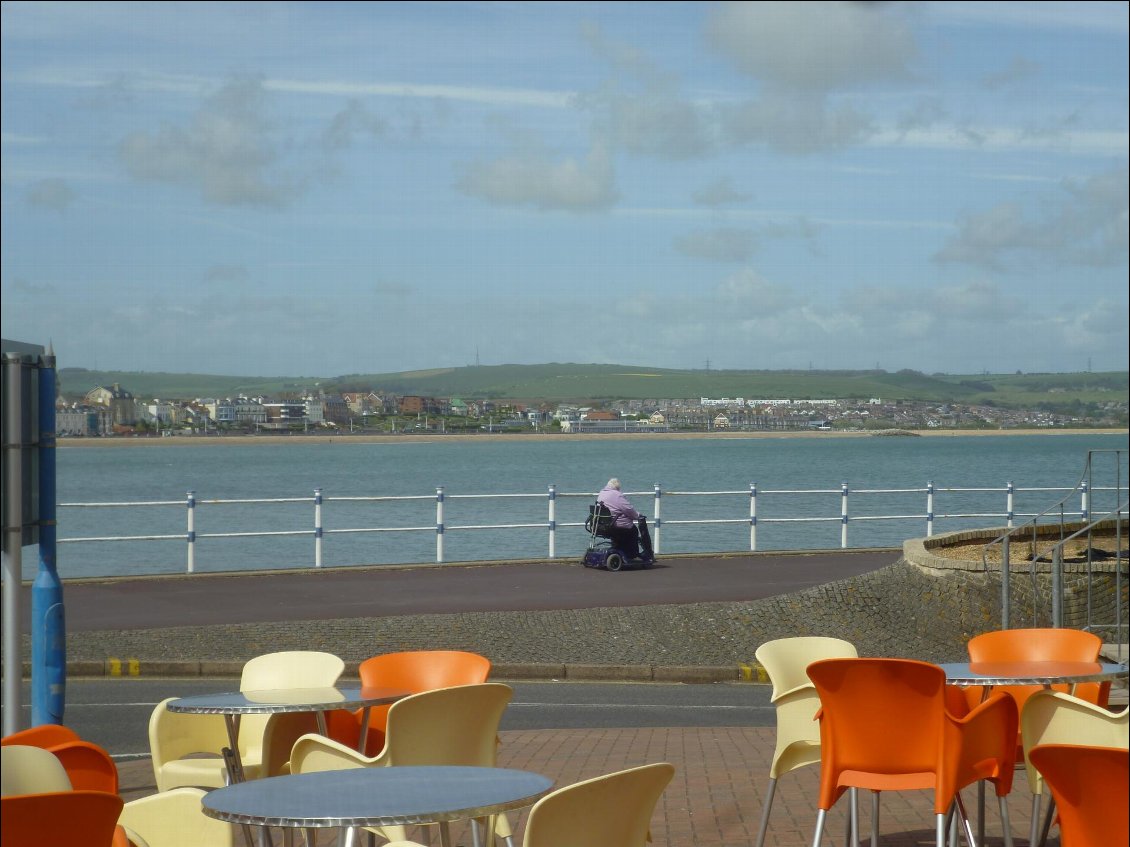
(613, 483)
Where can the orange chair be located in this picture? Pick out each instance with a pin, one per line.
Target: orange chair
(412, 671)
(89, 818)
(1090, 785)
(1037, 645)
(884, 726)
(88, 765)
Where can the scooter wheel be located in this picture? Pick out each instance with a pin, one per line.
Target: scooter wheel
(614, 562)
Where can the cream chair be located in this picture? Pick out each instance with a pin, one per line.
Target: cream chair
(786, 661)
(1052, 717)
(613, 810)
(185, 750)
(445, 726)
(174, 819)
(286, 669)
(31, 770)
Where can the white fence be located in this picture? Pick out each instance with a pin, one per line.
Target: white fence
(927, 520)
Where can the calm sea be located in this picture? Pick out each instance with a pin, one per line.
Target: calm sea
(810, 470)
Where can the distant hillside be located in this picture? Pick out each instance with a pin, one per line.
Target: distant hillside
(596, 383)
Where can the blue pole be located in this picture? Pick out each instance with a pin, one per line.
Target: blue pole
(48, 621)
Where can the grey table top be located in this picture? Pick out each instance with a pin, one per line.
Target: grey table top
(1031, 673)
(376, 796)
(285, 700)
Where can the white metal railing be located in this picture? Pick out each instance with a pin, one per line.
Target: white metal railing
(931, 516)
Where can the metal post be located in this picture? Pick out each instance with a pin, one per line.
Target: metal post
(1057, 587)
(1085, 507)
(753, 516)
(439, 523)
(48, 619)
(1010, 503)
(552, 521)
(1006, 582)
(843, 515)
(930, 509)
(13, 548)
(657, 522)
(191, 533)
(317, 527)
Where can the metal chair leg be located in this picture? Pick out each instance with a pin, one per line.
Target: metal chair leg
(853, 795)
(967, 827)
(1006, 824)
(1034, 830)
(1048, 821)
(766, 806)
(874, 818)
(821, 816)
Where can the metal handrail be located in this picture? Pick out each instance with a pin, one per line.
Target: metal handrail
(550, 526)
(1057, 513)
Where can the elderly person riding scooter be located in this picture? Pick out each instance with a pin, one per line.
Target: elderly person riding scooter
(624, 523)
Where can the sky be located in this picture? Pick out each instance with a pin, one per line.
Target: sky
(320, 189)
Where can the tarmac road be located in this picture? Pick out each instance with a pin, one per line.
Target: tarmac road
(215, 599)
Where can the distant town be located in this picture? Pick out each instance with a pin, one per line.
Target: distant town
(112, 410)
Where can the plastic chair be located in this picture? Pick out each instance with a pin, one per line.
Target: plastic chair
(174, 819)
(884, 726)
(1037, 645)
(447, 726)
(1090, 785)
(286, 669)
(88, 765)
(786, 661)
(185, 750)
(31, 770)
(1050, 717)
(89, 818)
(413, 671)
(613, 810)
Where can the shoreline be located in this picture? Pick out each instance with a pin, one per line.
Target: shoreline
(436, 438)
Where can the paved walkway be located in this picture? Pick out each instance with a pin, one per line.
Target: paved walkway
(715, 799)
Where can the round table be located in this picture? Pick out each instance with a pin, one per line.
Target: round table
(1031, 673)
(377, 796)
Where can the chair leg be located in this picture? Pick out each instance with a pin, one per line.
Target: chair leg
(963, 816)
(1034, 830)
(940, 828)
(1048, 821)
(874, 818)
(821, 816)
(765, 812)
(853, 796)
(1006, 824)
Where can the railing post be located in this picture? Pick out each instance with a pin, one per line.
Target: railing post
(1010, 502)
(1006, 580)
(843, 515)
(317, 527)
(552, 521)
(1086, 505)
(1057, 587)
(191, 535)
(439, 523)
(753, 516)
(657, 521)
(930, 508)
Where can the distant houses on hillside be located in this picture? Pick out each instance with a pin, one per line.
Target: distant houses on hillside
(113, 409)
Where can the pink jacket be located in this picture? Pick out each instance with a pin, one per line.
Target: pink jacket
(623, 514)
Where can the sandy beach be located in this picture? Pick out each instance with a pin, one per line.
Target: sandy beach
(417, 438)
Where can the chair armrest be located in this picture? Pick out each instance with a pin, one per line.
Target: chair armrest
(982, 744)
(88, 766)
(312, 753)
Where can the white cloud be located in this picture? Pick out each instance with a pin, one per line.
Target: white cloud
(723, 244)
(795, 123)
(226, 151)
(52, 194)
(720, 193)
(531, 178)
(816, 46)
(1086, 224)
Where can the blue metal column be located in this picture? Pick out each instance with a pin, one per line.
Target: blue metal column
(48, 619)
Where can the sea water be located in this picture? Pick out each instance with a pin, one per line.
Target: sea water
(798, 480)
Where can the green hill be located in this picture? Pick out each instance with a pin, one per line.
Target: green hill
(557, 382)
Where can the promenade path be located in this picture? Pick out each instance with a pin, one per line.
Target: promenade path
(370, 592)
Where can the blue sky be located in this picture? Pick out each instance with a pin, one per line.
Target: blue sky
(316, 189)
